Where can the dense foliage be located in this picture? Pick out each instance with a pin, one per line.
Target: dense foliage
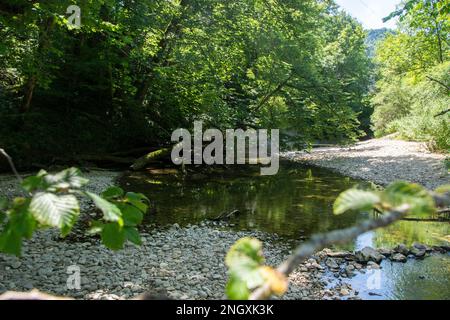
(412, 95)
(136, 70)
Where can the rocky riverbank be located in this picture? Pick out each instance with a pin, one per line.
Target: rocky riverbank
(174, 262)
(381, 161)
(180, 263)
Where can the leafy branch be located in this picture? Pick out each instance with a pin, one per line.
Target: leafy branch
(398, 200)
(53, 203)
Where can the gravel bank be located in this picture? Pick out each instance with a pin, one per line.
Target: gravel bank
(181, 263)
(381, 161)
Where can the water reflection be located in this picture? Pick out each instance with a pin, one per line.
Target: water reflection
(295, 203)
(415, 280)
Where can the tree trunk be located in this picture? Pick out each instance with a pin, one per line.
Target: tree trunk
(142, 162)
(32, 81)
(172, 28)
(28, 94)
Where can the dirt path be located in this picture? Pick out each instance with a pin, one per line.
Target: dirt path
(381, 161)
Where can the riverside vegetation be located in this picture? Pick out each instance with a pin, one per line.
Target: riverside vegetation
(113, 89)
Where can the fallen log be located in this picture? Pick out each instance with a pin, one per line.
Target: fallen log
(151, 157)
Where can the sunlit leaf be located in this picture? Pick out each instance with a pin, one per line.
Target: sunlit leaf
(59, 211)
(67, 179)
(278, 282)
(417, 197)
(355, 199)
(236, 289)
(110, 211)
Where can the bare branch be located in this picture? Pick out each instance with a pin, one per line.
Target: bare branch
(321, 241)
(439, 82)
(11, 164)
(442, 113)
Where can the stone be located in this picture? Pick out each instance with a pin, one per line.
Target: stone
(338, 254)
(373, 265)
(332, 264)
(350, 269)
(398, 257)
(401, 248)
(369, 254)
(420, 246)
(418, 252)
(385, 252)
(28, 286)
(344, 292)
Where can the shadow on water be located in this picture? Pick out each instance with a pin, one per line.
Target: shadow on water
(294, 204)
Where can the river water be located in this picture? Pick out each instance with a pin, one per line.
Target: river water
(294, 204)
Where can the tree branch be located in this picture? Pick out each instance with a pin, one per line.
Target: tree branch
(442, 113)
(321, 241)
(439, 82)
(11, 164)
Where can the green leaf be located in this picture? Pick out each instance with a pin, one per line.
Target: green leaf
(33, 183)
(96, 227)
(21, 224)
(55, 211)
(131, 215)
(355, 199)
(244, 260)
(113, 236)
(11, 242)
(112, 193)
(443, 189)
(237, 289)
(110, 211)
(248, 248)
(132, 234)
(417, 197)
(3, 203)
(138, 200)
(67, 179)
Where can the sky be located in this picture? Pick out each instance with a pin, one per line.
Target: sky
(370, 12)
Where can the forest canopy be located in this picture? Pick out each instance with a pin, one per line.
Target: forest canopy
(136, 70)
